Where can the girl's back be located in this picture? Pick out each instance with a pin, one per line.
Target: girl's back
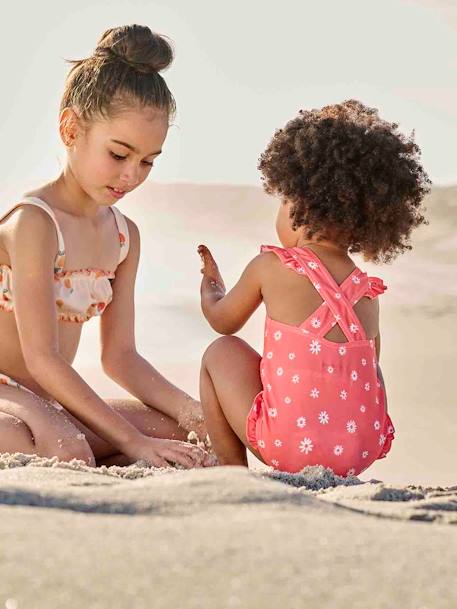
(291, 298)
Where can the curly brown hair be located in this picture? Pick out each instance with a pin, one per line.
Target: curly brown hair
(351, 177)
(122, 72)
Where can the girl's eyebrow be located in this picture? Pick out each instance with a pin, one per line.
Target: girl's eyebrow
(133, 147)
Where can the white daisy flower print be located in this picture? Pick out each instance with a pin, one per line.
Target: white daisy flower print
(261, 443)
(330, 369)
(268, 387)
(337, 316)
(313, 265)
(305, 331)
(390, 429)
(306, 445)
(377, 400)
(364, 454)
(362, 408)
(315, 346)
(377, 425)
(278, 443)
(354, 375)
(279, 371)
(272, 412)
(275, 462)
(301, 422)
(350, 472)
(277, 335)
(292, 356)
(382, 439)
(269, 354)
(353, 328)
(296, 379)
(342, 350)
(317, 286)
(378, 384)
(301, 270)
(351, 426)
(338, 450)
(323, 417)
(262, 372)
(343, 394)
(287, 400)
(364, 361)
(356, 279)
(314, 393)
(367, 386)
(315, 322)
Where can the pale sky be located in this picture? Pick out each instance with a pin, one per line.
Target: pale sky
(242, 69)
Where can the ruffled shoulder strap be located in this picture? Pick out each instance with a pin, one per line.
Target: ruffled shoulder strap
(123, 231)
(287, 257)
(376, 286)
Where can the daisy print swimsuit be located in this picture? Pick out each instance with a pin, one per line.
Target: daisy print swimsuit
(322, 402)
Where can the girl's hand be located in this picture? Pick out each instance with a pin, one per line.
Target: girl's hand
(210, 270)
(161, 453)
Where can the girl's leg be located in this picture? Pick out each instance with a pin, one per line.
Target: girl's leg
(229, 382)
(149, 421)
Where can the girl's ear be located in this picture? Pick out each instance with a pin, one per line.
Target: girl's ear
(69, 126)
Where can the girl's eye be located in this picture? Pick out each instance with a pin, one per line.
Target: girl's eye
(121, 158)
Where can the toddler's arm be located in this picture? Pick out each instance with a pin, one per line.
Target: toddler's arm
(227, 313)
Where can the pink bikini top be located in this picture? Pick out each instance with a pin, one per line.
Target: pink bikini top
(80, 294)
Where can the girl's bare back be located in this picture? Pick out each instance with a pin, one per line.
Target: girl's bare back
(291, 298)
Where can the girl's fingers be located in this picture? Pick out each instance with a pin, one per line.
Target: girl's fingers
(179, 457)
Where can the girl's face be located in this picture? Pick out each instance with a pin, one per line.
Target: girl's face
(287, 236)
(117, 153)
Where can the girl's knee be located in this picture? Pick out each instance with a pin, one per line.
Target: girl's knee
(220, 347)
(15, 435)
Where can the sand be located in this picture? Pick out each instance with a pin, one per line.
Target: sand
(76, 537)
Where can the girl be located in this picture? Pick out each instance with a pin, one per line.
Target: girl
(348, 182)
(67, 254)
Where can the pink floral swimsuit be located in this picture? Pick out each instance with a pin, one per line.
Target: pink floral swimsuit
(322, 402)
(79, 294)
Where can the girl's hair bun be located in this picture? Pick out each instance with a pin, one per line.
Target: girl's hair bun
(136, 46)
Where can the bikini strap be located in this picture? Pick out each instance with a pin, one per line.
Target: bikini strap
(60, 256)
(123, 231)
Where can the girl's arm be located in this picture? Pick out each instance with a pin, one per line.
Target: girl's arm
(120, 359)
(32, 246)
(227, 313)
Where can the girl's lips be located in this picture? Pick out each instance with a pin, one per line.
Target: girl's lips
(118, 195)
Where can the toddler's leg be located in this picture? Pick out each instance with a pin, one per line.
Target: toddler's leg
(229, 381)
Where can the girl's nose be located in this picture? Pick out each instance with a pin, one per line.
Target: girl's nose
(130, 178)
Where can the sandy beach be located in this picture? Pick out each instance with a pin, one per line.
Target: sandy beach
(73, 537)
(220, 537)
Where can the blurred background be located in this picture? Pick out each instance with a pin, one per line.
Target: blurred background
(241, 71)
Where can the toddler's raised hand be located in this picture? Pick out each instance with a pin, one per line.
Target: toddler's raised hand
(210, 269)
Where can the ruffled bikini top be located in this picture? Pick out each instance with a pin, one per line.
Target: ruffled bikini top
(80, 294)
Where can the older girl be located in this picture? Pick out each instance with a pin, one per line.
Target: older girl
(67, 255)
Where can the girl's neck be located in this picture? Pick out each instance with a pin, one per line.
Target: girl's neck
(327, 246)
